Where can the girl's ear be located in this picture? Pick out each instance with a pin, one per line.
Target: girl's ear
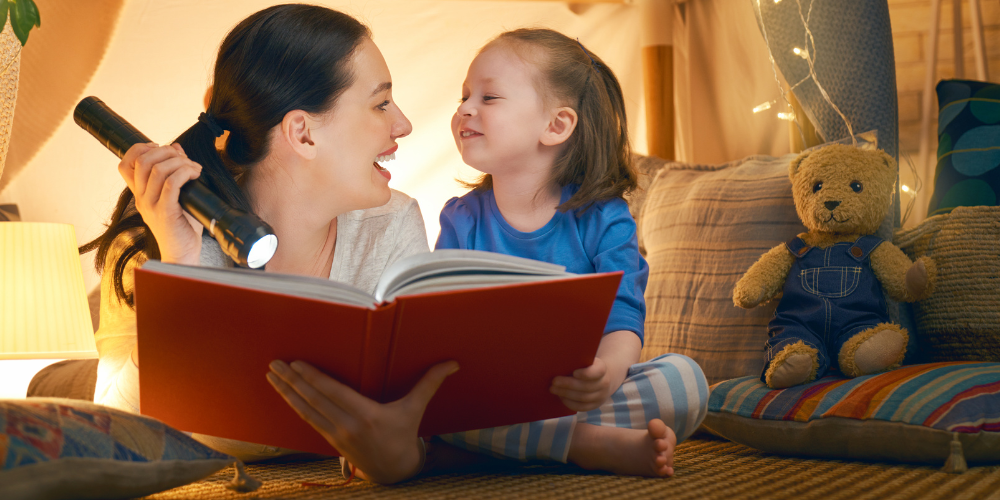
(560, 127)
(296, 132)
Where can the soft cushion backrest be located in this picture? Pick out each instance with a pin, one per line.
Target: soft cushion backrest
(702, 227)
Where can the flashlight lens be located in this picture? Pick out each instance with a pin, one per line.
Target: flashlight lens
(262, 251)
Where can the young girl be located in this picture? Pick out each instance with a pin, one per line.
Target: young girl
(544, 120)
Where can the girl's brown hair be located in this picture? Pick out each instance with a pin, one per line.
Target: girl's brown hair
(597, 155)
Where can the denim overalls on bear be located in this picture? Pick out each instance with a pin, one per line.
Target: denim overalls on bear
(830, 295)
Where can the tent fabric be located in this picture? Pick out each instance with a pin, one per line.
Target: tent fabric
(157, 61)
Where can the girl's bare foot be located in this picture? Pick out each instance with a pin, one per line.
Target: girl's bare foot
(632, 452)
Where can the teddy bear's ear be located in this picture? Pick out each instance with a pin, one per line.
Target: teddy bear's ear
(793, 167)
(887, 160)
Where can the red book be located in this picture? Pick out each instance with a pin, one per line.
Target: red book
(207, 335)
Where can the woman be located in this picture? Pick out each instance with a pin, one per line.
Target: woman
(306, 98)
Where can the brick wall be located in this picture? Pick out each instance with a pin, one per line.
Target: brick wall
(910, 27)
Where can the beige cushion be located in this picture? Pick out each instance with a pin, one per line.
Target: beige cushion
(71, 378)
(702, 227)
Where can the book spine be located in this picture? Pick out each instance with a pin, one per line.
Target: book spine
(375, 355)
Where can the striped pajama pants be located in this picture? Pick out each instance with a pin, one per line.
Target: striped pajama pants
(671, 387)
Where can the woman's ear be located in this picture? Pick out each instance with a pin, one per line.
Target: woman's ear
(560, 127)
(296, 132)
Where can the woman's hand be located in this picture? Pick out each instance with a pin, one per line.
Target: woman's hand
(379, 439)
(155, 175)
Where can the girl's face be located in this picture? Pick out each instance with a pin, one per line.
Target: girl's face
(501, 116)
(358, 132)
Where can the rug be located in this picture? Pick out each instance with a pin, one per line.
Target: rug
(706, 468)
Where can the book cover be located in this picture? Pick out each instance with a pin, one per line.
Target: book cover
(205, 349)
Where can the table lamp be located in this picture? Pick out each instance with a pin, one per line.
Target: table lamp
(43, 305)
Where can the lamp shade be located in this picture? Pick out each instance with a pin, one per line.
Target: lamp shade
(43, 305)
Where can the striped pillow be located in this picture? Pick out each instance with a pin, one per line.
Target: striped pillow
(909, 414)
(702, 227)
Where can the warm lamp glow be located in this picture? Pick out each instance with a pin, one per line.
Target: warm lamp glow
(43, 305)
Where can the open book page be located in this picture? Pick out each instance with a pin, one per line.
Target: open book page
(443, 270)
(287, 284)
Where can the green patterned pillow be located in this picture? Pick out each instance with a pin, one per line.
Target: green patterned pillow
(968, 146)
(64, 448)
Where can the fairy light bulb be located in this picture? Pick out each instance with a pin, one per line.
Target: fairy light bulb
(762, 107)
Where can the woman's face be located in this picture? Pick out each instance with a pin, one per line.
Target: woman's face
(360, 131)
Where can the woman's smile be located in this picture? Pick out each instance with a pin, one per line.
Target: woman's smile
(387, 155)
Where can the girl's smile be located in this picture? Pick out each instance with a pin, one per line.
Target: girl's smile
(501, 115)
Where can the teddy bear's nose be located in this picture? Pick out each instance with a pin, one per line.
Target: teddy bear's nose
(830, 205)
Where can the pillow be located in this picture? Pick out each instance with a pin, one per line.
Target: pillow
(911, 414)
(70, 378)
(62, 448)
(968, 146)
(960, 321)
(702, 227)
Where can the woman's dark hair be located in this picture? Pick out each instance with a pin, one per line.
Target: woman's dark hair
(597, 156)
(280, 59)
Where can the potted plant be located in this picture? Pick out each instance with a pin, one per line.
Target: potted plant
(21, 16)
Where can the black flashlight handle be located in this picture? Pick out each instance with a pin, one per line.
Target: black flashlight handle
(235, 230)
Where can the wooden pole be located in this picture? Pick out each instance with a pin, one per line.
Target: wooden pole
(978, 44)
(926, 168)
(658, 75)
(959, 45)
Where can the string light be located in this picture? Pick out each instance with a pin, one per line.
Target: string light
(774, 71)
(904, 159)
(763, 107)
(809, 56)
(812, 69)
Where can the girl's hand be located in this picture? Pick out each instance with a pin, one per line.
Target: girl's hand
(155, 175)
(379, 439)
(587, 389)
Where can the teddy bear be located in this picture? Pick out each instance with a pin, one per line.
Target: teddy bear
(831, 279)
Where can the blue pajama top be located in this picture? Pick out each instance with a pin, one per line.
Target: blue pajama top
(601, 238)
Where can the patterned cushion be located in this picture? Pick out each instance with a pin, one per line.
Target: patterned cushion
(968, 146)
(62, 448)
(909, 414)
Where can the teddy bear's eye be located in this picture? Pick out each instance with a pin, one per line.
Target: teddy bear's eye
(857, 186)
(817, 186)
